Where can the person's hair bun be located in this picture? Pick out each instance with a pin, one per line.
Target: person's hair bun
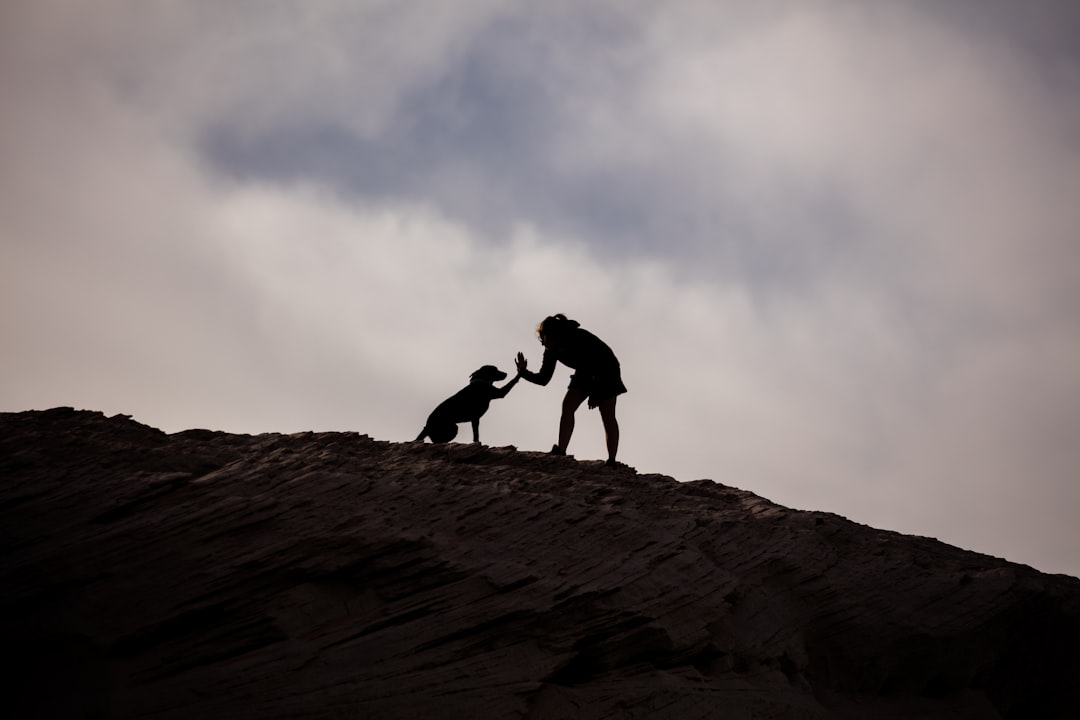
(556, 325)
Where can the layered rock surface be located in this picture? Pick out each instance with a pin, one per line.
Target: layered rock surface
(207, 575)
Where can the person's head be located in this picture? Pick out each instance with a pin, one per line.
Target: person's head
(553, 329)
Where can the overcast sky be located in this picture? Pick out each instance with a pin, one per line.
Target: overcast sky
(836, 245)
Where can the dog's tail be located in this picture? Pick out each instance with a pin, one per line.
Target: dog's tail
(439, 433)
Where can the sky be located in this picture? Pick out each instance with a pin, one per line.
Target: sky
(835, 245)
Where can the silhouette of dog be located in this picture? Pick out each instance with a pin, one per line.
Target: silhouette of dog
(466, 405)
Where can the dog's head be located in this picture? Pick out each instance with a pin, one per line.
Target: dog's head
(488, 373)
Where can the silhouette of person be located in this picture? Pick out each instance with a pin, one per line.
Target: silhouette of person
(597, 377)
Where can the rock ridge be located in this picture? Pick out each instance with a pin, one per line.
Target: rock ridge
(317, 575)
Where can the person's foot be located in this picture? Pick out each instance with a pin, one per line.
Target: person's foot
(612, 462)
(556, 450)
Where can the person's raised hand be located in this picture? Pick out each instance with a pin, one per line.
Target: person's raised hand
(521, 362)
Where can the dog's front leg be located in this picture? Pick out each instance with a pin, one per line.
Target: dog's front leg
(476, 430)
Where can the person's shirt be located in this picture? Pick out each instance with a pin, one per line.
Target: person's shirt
(580, 350)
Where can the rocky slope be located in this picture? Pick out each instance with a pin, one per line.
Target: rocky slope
(207, 575)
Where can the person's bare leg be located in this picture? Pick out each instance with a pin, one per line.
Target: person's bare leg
(611, 427)
(571, 402)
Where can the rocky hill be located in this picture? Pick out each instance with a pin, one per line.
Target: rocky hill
(325, 575)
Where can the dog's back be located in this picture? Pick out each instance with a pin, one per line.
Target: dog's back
(467, 404)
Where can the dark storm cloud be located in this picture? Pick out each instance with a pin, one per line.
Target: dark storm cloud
(490, 135)
(476, 139)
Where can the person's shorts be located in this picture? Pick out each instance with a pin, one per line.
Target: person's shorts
(599, 386)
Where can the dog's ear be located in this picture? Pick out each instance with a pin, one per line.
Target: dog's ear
(488, 372)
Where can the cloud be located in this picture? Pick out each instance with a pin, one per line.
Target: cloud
(832, 246)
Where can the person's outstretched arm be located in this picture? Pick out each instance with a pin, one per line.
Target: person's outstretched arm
(546, 370)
